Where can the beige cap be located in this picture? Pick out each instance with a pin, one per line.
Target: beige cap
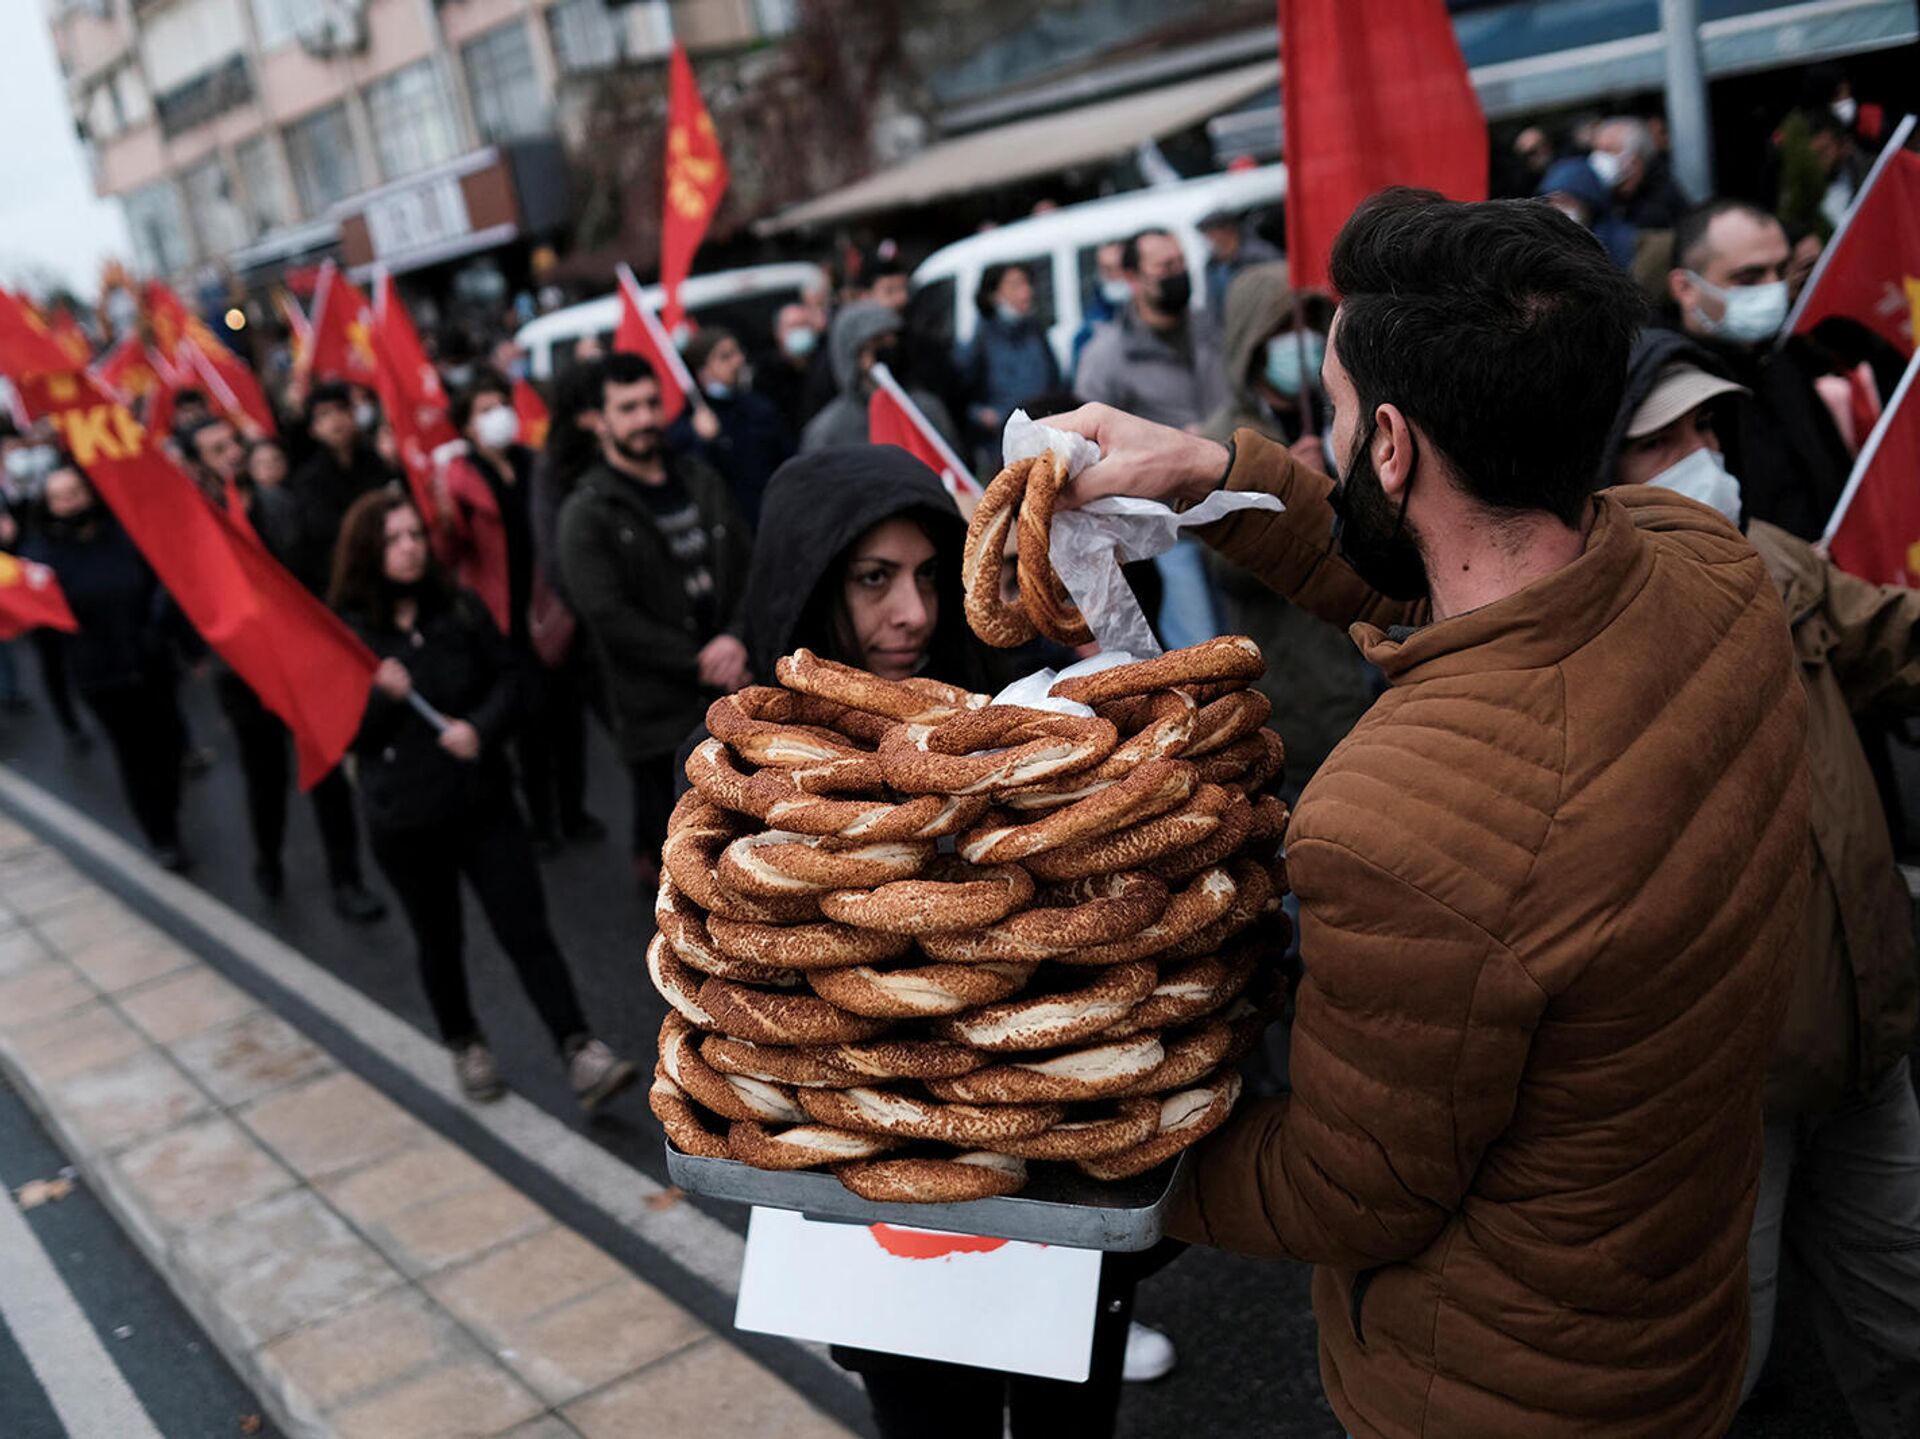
(1680, 390)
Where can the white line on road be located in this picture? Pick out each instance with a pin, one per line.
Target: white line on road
(82, 1382)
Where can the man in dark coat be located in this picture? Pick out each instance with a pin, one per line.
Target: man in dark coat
(739, 433)
(339, 469)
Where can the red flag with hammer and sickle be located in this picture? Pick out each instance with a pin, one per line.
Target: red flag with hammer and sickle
(696, 179)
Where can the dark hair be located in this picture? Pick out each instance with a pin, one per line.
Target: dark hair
(189, 395)
(990, 279)
(1130, 250)
(1501, 329)
(705, 341)
(485, 381)
(327, 392)
(571, 447)
(187, 433)
(620, 368)
(359, 585)
(1690, 230)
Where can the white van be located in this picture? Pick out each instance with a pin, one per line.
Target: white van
(744, 301)
(1058, 247)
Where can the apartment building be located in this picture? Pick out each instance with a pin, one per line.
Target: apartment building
(263, 135)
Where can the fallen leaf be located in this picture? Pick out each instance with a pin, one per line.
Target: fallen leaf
(36, 1192)
(250, 1424)
(666, 1198)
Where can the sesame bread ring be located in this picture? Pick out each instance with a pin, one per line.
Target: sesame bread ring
(1270, 818)
(787, 947)
(902, 1116)
(697, 834)
(729, 1096)
(804, 1146)
(908, 1058)
(1207, 897)
(768, 1018)
(779, 863)
(1236, 824)
(930, 816)
(1168, 717)
(1137, 846)
(777, 1063)
(1049, 1021)
(712, 772)
(1127, 1123)
(680, 921)
(917, 759)
(1091, 1073)
(826, 758)
(1153, 788)
(977, 1175)
(920, 991)
(1230, 657)
(1250, 764)
(1191, 1055)
(1185, 1119)
(679, 984)
(1190, 991)
(1000, 624)
(1071, 790)
(1042, 595)
(1089, 911)
(682, 1121)
(916, 701)
(1228, 720)
(951, 895)
(760, 712)
(1253, 888)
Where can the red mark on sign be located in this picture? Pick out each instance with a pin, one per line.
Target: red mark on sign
(921, 1244)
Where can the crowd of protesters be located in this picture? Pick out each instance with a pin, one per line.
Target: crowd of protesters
(632, 570)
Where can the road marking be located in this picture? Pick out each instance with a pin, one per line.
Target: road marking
(85, 1387)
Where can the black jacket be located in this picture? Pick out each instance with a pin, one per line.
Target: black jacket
(460, 665)
(753, 442)
(128, 623)
(322, 493)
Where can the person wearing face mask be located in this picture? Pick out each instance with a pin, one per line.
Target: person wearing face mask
(1550, 887)
(1571, 187)
(1728, 293)
(1628, 161)
(780, 374)
(739, 433)
(861, 334)
(1104, 296)
(1008, 358)
(1233, 245)
(1840, 1177)
(340, 466)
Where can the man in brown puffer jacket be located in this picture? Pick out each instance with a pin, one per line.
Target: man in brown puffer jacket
(1550, 886)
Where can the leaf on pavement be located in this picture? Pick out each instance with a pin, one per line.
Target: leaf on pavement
(36, 1192)
(250, 1424)
(666, 1198)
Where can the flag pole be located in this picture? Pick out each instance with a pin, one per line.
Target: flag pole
(1869, 450)
(1895, 144)
(662, 341)
(884, 378)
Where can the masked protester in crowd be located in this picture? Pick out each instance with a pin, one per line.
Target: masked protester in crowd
(217, 461)
(440, 801)
(1162, 361)
(1628, 161)
(739, 433)
(341, 466)
(1571, 187)
(1009, 357)
(780, 375)
(122, 659)
(1106, 296)
(1232, 246)
(1551, 885)
(1840, 1177)
(1318, 685)
(654, 555)
(862, 334)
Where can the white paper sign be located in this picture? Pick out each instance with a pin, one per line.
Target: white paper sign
(995, 1303)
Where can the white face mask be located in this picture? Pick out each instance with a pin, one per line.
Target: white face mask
(1117, 293)
(1845, 110)
(1609, 165)
(1703, 476)
(497, 428)
(1754, 313)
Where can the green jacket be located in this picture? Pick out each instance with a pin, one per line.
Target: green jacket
(628, 591)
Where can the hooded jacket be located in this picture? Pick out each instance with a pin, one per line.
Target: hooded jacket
(844, 420)
(1853, 1011)
(1550, 890)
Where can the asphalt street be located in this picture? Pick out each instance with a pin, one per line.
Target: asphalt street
(1243, 1327)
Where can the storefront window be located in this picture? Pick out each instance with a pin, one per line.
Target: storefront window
(508, 99)
(325, 169)
(412, 120)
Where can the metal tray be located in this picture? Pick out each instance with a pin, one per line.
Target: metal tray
(1060, 1205)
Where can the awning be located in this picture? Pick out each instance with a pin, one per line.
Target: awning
(1040, 146)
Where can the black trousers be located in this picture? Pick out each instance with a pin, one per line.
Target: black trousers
(267, 766)
(142, 722)
(488, 844)
(52, 649)
(551, 747)
(652, 803)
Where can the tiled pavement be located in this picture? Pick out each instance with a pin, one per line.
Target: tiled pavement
(364, 1275)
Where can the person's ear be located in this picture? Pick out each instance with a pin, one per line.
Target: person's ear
(1395, 453)
(1680, 287)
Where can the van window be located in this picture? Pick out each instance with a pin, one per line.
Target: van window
(930, 312)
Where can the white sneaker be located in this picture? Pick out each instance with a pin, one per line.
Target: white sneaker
(1150, 1355)
(478, 1075)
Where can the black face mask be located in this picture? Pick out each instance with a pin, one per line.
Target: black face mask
(1371, 534)
(1174, 293)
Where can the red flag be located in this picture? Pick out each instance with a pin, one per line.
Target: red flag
(70, 337)
(129, 369)
(296, 655)
(1870, 271)
(341, 347)
(200, 358)
(1375, 95)
(696, 179)
(410, 391)
(535, 420)
(894, 419)
(30, 599)
(640, 334)
(1875, 529)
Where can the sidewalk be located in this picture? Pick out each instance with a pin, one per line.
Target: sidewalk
(363, 1275)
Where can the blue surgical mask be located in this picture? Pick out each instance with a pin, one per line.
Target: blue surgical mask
(1754, 313)
(718, 391)
(1703, 476)
(800, 343)
(1117, 293)
(1283, 359)
(1008, 315)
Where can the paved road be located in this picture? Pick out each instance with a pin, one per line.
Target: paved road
(1244, 1329)
(92, 1342)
